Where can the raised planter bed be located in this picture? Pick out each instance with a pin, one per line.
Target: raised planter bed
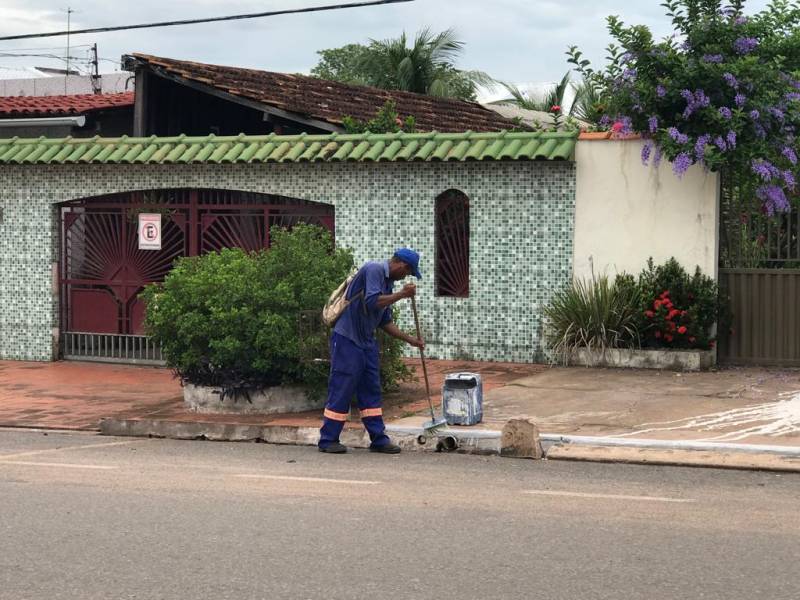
(671, 360)
(279, 399)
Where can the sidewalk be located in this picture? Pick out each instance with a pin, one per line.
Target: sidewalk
(732, 406)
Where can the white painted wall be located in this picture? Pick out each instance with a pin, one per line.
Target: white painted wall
(626, 212)
(110, 83)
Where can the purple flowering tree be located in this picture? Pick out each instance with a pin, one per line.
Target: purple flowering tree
(723, 91)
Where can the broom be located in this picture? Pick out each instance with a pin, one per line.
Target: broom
(433, 426)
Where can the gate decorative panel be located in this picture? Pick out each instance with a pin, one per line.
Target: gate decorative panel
(103, 271)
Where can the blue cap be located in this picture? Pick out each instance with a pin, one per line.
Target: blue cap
(411, 258)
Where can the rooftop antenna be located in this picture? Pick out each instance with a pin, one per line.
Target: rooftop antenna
(66, 75)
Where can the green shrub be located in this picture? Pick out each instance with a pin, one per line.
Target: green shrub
(679, 310)
(594, 314)
(232, 319)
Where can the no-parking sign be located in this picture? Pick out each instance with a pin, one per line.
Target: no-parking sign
(149, 231)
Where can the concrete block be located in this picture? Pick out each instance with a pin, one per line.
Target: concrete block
(623, 358)
(272, 400)
(520, 439)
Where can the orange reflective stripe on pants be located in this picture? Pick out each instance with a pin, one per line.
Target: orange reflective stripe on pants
(335, 416)
(371, 412)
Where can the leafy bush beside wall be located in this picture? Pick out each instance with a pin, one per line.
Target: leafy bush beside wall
(231, 318)
(664, 308)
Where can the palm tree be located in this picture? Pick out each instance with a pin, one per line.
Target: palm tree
(590, 104)
(587, 104)
(554, 95)
(427, 66)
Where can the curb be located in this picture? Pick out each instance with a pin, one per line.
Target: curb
(675, 457)
(483, 442)
(408, 438)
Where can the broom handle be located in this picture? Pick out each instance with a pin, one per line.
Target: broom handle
(422, 356)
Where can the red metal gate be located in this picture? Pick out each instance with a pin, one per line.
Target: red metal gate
(103, 270)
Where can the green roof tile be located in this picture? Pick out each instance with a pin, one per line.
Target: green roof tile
(294, 148)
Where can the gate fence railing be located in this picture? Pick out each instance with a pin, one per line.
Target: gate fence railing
(108, 347)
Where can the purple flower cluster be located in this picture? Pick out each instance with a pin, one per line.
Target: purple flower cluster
(730, 80)
(788, 179)
(622, 125)
(713, 58)
(777, 113)
(652, 124)
(773, 198)
(740, 99)
(765, 169)
(657, 156)
(755, 115)
(731, 139)
(661, 91)
(695, 100)
(700, 146)
(646, 149)
(681, 164)
(745, 45)
(740, 20)
(677, 136)
(789, 154)
(791, 96)
(629, 75)
(726, 113)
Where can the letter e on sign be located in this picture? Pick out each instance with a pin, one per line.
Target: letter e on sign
(149, 231)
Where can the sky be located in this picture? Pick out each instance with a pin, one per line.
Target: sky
(520, 41)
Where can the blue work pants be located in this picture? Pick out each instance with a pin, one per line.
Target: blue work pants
(354, 371)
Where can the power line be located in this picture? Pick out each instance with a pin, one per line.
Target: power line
(208, 20)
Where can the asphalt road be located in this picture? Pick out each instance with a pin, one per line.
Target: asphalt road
(87, 517)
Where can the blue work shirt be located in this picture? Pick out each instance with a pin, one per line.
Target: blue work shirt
(362, 316)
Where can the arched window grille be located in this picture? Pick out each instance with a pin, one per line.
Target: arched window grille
(452, 244)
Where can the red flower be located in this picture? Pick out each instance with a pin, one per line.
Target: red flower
(617, 127)
(658, 334)
(668, 337)
(711, 344)
(665, 294)
(671, 325)
(681, 329)
(692, 340)
(649, 314)
(556, 108)
(673, 313)
(683, 313)
(657, 304)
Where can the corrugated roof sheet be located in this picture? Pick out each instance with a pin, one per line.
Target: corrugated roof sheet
(330, 101)
(53, 106)
(397, 147)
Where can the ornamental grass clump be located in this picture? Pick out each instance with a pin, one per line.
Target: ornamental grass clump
(595, 314)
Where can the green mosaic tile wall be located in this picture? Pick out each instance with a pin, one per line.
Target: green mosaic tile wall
(521, 230)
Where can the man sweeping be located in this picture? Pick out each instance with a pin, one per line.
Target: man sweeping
(354, 351)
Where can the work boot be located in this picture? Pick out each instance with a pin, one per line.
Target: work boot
(386, 449)
(334, 448)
